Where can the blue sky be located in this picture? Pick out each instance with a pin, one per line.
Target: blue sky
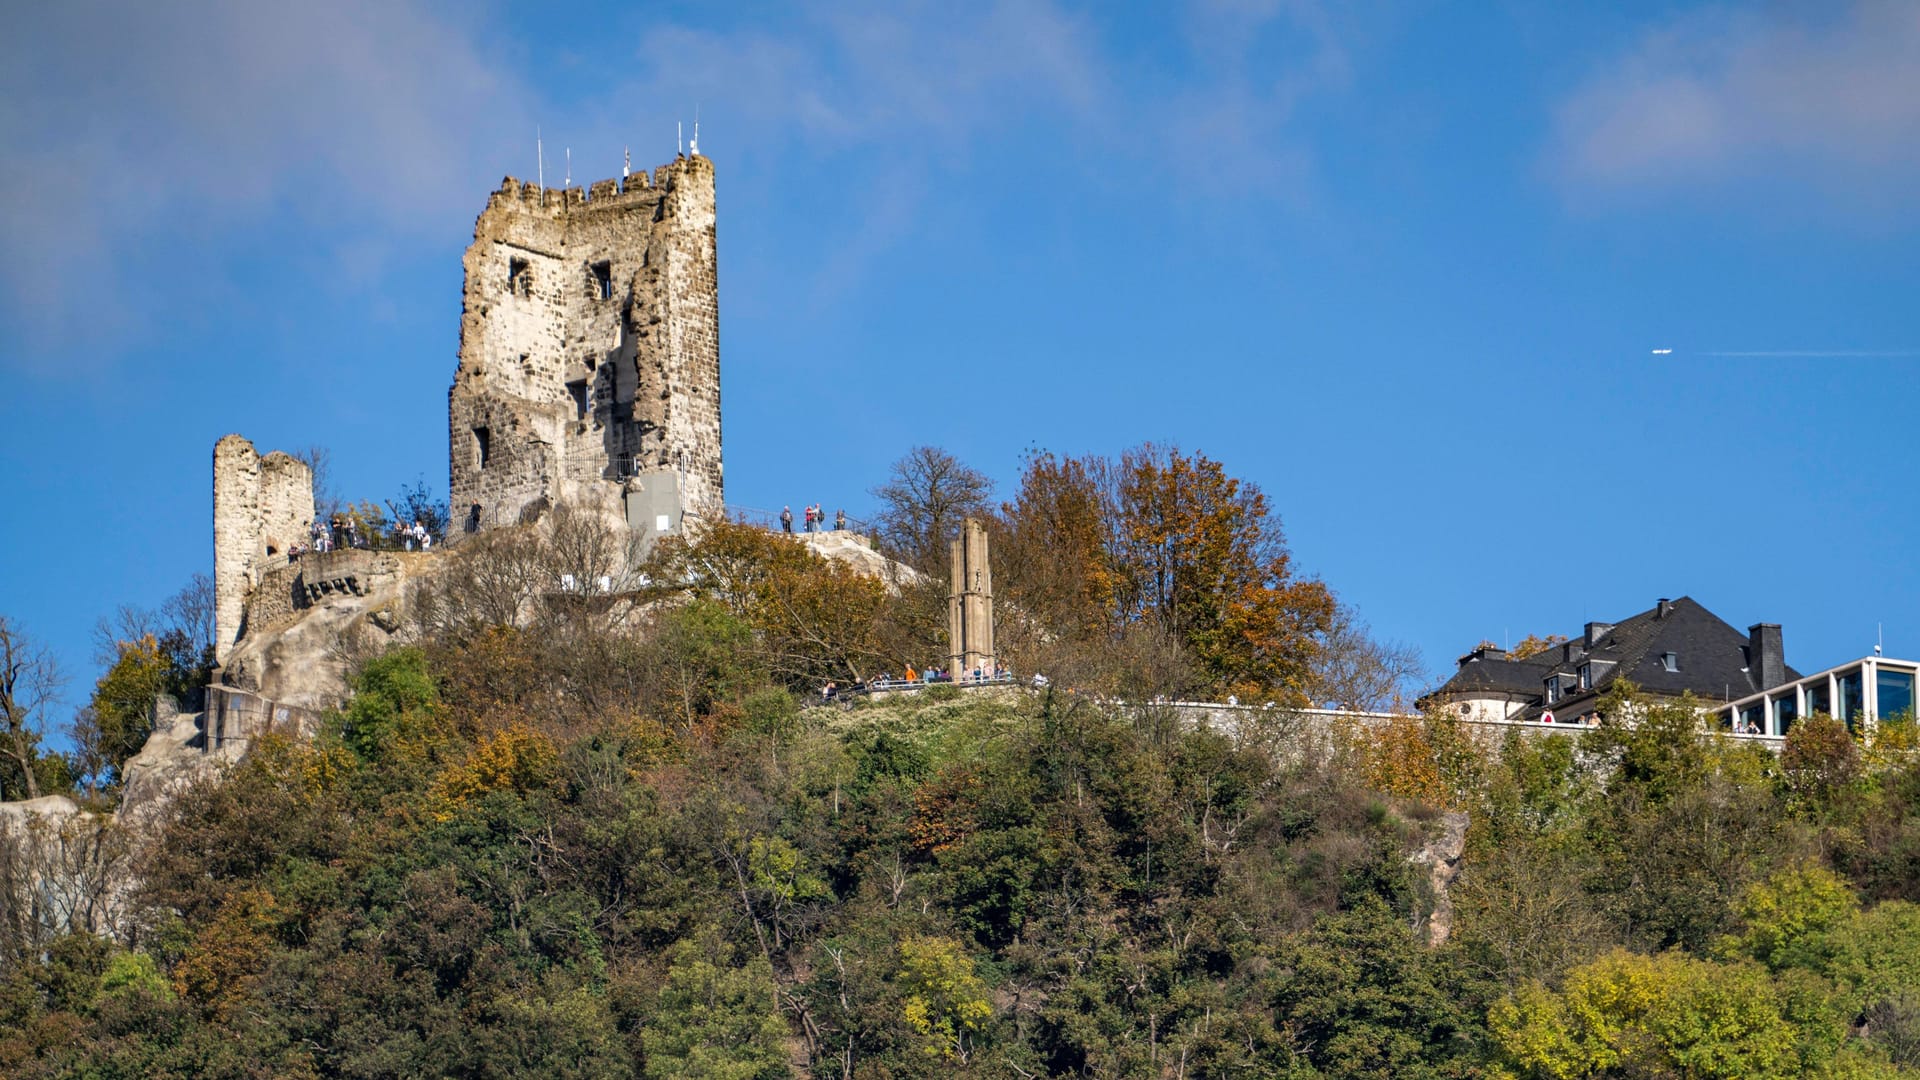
(1403, 265)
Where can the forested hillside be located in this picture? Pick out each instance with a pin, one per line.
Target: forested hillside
(549, 839)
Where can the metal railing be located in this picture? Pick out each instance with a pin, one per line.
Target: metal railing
(889, 685)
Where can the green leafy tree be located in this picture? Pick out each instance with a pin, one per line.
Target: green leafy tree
(1359, 997)
(395, 702)
(1789, 916)
(125, 703)
(715, 1021)
(1820, 762)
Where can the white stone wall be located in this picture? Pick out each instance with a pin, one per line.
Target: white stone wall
(261, 508)
(1486, 709)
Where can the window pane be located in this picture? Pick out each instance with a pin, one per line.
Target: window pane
(1852, 696)
(1783, 715)
(1817, 699)
(1753, 719)
(1896, 693)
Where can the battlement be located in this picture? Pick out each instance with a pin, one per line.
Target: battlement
(637, 188)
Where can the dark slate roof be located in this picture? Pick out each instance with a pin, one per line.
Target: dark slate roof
(1499, 675)
(1711, 658)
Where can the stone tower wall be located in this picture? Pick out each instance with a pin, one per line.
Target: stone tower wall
(262, 506)
(589, 345)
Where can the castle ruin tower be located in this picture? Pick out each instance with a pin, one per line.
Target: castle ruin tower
(262, 506)
(590, 354)
(970, 604)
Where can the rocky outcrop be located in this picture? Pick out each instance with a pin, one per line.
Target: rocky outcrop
(63, 870)
(857, 551)
(314, 610)
(1440, 858)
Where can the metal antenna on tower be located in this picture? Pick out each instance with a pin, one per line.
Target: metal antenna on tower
(568, 182)
(679, 142)
(626, 162)
(694, 146)
(540, 158)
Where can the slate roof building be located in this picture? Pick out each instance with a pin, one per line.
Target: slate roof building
(1670, 649)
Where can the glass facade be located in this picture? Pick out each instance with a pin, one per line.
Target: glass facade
(1894, 693)
(1891, 687)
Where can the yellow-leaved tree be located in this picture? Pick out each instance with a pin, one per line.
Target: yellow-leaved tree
(946, 1002)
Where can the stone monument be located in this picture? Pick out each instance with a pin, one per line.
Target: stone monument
(970, 604)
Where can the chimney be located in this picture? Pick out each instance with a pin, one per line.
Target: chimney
(1766, 655)
(1663, 609)
(1596, 631)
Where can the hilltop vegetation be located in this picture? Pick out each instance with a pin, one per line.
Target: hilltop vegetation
(473, 873)
(548, 840)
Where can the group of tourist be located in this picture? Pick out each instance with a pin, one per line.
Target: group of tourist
(816, 519)
(346, 531)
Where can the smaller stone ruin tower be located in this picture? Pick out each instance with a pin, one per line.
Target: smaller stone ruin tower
(590, 354)
(262, 506)
(970, 604)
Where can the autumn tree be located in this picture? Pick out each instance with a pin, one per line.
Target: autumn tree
(1053, 551)
(1201, 554)
(814, 618)
(926, 496)
(1667, 1015)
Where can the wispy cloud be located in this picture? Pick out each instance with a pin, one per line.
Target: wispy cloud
(140, 132)
(921, 75)
(146, 142)
(1827, 99)
(906, 92)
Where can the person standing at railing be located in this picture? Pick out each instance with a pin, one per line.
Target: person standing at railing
(786, 520)
(839, 521)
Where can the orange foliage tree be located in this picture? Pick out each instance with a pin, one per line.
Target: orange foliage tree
(1171, 545)
(1203, 555)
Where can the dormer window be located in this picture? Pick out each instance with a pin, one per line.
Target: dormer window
(1586, 676)
(1669, 661)
(1553, 689)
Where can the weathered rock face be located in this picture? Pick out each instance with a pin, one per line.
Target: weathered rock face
(589, 347)
(262, 507)
(308, 614)
(1440, 858)
(857, 552)
(65, 869)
